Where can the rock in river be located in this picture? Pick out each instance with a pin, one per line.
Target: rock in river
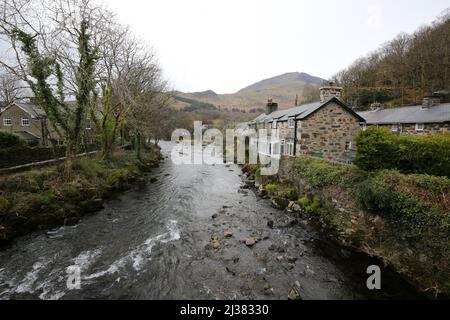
(215, 244)
(228, 233)
(280, 203)
(250, 242)
(294, 295)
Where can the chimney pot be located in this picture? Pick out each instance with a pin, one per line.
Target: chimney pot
(271, 106)
(330, 91)
(430, 101)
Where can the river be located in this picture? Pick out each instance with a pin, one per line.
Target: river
(154, 242)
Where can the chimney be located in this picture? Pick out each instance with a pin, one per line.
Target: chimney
(330, 91)
(33, 100)
(271, 106)
(376, 106)
(431, 101)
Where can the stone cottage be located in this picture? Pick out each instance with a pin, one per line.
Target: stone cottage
(31, 123)
(325, 129)
(27, 121)
(431, 117)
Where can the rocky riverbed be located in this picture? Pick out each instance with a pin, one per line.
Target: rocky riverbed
(191, 232)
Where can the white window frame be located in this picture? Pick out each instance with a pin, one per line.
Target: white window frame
(291, 123)
(7, 122)
(348, 146)
(394, 128)
(274, 124)
(420, 127)
(25, 122)
(289, 148)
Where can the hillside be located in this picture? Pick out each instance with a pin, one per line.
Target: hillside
(282, 88)
(403, 70)
(293, 79)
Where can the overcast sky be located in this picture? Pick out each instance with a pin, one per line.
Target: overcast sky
(225, 45)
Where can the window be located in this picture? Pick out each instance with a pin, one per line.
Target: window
(282, 145)
(420, 127)
(291, 123)
(396, 128)
(7, 122)
(274, 124)
(364, 126)
(289, 148)
(348, 146)
(25, 122)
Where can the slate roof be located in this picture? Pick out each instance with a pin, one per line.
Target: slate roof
(415, 114)
(301, 112)
(33, 110)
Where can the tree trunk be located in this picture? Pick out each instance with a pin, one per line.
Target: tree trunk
(70, 156)
(137, 146)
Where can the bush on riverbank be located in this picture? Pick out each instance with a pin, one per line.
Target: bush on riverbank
(41, 199)
(402, 219)
(381, 149)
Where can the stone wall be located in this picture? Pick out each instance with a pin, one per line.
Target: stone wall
(327, 132)
(285, 170)
(285, 131)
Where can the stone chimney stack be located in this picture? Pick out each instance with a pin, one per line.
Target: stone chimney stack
(376, 106)
(431, 101)
(271, 106)
(330, 91)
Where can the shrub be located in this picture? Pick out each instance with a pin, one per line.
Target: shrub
(320, 173)
(381, 149)
(9, 140)
(270, 187)
(406, 201)
(310, 203)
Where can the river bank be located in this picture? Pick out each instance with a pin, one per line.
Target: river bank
(188, 235)
(41, 199)
(402, 220)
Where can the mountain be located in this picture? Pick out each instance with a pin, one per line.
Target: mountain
(288, 79)
(282, 89)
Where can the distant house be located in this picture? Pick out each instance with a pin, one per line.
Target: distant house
(325, 129)
(30, 122)
(431, 117)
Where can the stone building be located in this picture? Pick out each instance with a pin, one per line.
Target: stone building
(325, 129)
(31, 123)
(431, 117)
(27, 121)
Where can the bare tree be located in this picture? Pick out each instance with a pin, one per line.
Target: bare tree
(52, 57)
(11, 89)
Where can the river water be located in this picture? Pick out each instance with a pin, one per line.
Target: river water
(154, 242)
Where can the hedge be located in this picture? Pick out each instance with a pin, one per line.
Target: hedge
(9, 140)
(381, 149)
(19, 155)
